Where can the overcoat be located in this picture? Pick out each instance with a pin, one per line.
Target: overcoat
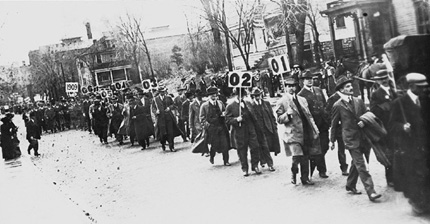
(160, 123)
(214, 125)
(292, 132)
(9, 140)
(194, 118)
(143, 125)
(265, 122)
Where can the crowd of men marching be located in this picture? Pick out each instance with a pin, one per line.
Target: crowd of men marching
(394, 125)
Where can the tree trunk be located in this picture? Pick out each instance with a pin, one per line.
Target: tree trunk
(289, 48)
(300, 31)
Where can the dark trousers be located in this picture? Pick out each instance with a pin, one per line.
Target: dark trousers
(341, 153)
(249, 139)
(34, 144)
(358, 169)
(88, 120)
(144, 142)
(265, 156)
(319, 160)
(181, 124)
(225, 156)
(102, 133)
(303, 161)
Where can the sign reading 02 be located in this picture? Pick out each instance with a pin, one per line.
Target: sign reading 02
(239, 79)
(279, 64)
(148, 84)
(72, 87)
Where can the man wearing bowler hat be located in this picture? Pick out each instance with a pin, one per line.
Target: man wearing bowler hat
(380, 105)
(317, 102)
(347, 110)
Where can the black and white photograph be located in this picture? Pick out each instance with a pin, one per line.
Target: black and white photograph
(215, 111)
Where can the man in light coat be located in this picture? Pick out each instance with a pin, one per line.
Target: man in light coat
(299, 131)
(194, 115)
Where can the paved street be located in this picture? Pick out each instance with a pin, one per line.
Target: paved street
(116, 184)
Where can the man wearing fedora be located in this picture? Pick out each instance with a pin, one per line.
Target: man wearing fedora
(410, 128)
(179, 100)
(243, 129)
(194, 115)
(380, 105)
(166, 127)
(300, 131)
(265, 126)
(347, 111)
(317, 102)
(140, 114)
(213, 120)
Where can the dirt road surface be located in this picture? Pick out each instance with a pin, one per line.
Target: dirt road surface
(124, 184)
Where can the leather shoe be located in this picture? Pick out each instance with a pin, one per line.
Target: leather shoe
(211, 160)
(245, 173)
(307, 182)
(374, 196)
(172, 150)
(345, 173)
(257, 170)
(353, 190)
(271, 169)
(293, 179)
(323, 175)
(163, 147)
(227, 164)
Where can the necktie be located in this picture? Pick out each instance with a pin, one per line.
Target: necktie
(417, 102)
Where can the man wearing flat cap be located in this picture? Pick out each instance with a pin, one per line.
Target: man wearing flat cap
(317, 102)
(300, 131)
(166, 128)
(347, 111)
(409, 125)
(265, 126)
(380, 105)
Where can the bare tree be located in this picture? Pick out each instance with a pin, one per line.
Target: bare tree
(241, 34)
(313, 15)
(130, 29)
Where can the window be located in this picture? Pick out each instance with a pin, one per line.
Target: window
(340, 22)
(422, 12)
(98, 58)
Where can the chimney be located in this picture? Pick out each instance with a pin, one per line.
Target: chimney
(89, 34)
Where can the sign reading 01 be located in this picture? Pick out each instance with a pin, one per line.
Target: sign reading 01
(239, 79)
(72, 87)
(149, 84)
(279, 64)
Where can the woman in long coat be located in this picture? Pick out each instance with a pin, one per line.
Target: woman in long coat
(9, 139)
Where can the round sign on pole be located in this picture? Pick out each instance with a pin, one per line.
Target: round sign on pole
(103, 93)
(90, 89)
(146, 84)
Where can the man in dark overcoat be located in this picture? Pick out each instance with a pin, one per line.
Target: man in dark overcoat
(347, 110)
(380, 105)
(213, 120)
(410, 130)
(115, 112)
(33, 134)
(265, 126)
(316, 101)
(167, 128)
(101, 120)
(140, 114)
(243, 127)
(179, 100)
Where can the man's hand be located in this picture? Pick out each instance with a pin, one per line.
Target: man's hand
(331, 145)
(134, 117)
(360, 124)
(407, 127)
(157, 112)
(239, 119)
(167, 109)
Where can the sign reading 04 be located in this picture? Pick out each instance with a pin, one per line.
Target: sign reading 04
(149, 84)
(239, 79)
(279, 64)
(72, 87)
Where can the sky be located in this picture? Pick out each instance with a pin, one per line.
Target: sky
(26, 25)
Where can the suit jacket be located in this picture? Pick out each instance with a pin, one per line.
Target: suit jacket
(32, 130)
(316, 103)
(380, 104)
(348, 114)
(328, 109)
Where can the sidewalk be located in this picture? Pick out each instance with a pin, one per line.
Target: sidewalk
(27, 197)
